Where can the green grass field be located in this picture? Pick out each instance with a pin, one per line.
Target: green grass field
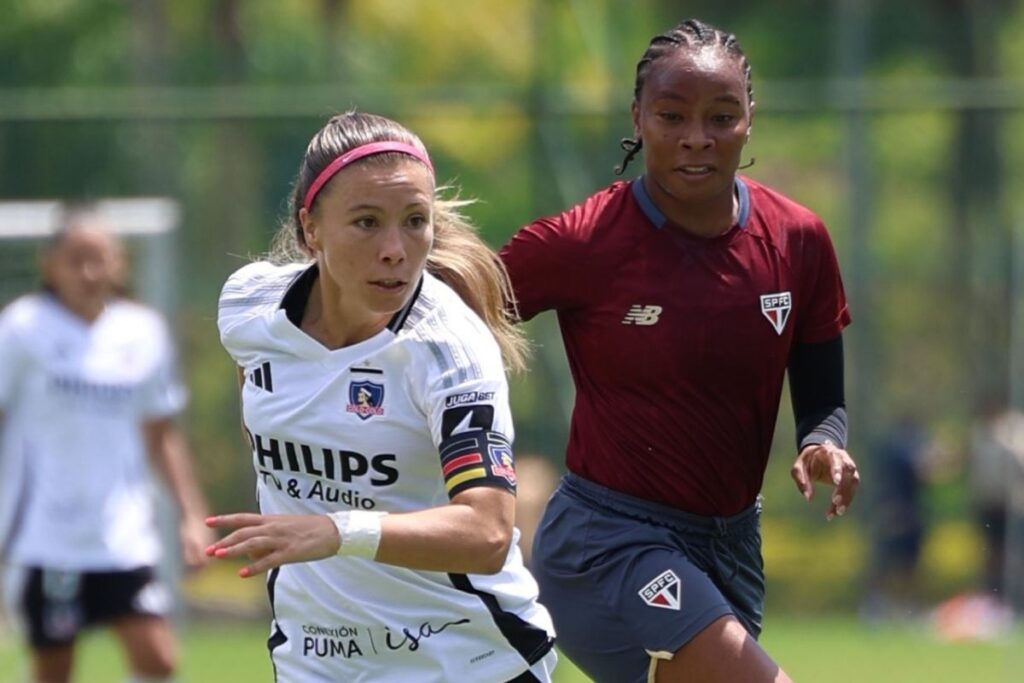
(812, 650)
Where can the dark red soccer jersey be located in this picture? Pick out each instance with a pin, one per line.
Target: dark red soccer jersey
(678, 345)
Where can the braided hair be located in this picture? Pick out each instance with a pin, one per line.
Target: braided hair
(691, 33)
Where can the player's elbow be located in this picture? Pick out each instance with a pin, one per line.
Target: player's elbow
(493, 551)
(491, 525)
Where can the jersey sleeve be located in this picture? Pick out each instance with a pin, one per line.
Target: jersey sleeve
(466, 403)
(164, 393)
(824, 312)
(248, 296)
(13, 464)
(12, 355)
(546, 263)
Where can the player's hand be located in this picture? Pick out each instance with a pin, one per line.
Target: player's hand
(827, 464)
(272, 540)
(195, 537)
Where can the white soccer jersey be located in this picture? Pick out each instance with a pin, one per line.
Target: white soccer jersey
(74, 395)
(366, 427)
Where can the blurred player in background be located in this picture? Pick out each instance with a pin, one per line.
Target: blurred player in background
(903, 460)
(89, 392)
(996, 460)
(683, 296)
(376, 406)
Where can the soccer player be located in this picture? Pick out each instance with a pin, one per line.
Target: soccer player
(683, 296)
(89, 391)
(375, 404)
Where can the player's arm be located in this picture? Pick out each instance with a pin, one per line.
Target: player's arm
(241, 385)
(170, 454)
(15, 363)
(471, 534)
(537, 258)
(819, 408)
(4, 476)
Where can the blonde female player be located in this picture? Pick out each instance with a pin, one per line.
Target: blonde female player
(376, 407)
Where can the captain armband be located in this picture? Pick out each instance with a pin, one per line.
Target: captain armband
(478, 457)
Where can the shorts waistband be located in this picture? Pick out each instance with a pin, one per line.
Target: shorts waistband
(656, 513)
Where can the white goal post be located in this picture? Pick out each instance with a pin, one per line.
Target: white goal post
(148, 225)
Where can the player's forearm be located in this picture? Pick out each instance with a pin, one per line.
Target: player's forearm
(170, 454)
(816, 389)
(458, 538)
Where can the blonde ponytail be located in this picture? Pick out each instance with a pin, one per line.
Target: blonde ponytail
(465, 263)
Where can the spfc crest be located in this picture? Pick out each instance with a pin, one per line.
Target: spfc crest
(663, 591)
(365, 399)
(776, 308)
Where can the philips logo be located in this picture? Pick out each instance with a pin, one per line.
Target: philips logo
(642, 315)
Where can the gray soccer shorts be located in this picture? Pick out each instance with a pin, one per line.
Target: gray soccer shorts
(624, 577)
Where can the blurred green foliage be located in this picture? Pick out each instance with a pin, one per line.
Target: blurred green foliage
(522, 104)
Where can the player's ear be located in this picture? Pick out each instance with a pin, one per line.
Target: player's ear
(309, 232)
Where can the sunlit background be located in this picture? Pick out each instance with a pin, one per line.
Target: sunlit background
(900, 123)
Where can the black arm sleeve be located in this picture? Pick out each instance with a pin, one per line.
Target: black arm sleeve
(816, 389)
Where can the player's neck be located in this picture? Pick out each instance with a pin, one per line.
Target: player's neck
(327, 319)
(707, 218)
(87, 311)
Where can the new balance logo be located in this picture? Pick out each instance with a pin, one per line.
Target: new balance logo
(641, 315)
(261, 377)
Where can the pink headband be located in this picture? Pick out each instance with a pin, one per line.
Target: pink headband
(358, 153)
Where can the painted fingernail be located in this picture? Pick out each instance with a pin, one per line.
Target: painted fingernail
(829, 517)
(841, 510)
(244, 572)
(210, 550)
